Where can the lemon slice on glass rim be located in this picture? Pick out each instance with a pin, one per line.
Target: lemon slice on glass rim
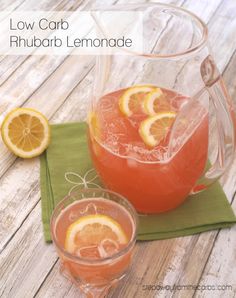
(132, 99)
(92, 230)
(26, 132)
(155, 128)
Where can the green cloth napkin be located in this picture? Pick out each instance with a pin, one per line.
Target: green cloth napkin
(66, 165)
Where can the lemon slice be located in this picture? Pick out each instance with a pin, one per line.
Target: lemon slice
(132, 99)
(94, 125)
(91, 230)
(25, 132)
(155, 128)
(155, 102)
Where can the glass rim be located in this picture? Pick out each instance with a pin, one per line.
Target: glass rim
(199, 21)
(88, 261)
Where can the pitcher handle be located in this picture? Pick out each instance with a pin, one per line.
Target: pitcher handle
(223, 110)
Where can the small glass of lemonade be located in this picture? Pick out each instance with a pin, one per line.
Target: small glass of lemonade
(94, 231)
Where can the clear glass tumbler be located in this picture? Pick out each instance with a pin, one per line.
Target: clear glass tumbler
(94, 269)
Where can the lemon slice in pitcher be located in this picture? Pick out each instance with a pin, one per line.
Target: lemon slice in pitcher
(155, 102)
(155, 128)
(132, 99)
(94, 125)
(26, 132)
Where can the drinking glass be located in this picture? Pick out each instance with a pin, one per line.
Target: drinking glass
(174, 78)
(94, 276)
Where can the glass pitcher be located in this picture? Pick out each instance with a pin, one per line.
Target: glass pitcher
(161, 121)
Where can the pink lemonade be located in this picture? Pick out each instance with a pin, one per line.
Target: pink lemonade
(93, 262)
(152, 182)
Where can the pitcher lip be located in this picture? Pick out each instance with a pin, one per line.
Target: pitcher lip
(200, 22)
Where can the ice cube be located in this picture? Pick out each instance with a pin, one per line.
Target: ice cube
(108, 247)
(90, 252)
